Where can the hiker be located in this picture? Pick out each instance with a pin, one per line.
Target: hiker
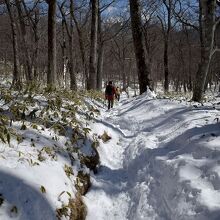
(117, 93)
(110, 94)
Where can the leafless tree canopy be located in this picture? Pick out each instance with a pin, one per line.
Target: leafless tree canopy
(82, 43)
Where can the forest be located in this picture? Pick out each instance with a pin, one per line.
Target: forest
(109, 109)
(65, 43)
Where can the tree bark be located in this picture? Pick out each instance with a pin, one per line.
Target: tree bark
(166, 69)
(82, 52)
(142, 68)
(70, 32)
(93, 46)
(100, 53)
(23, 32)
(33, 20)
(36, 43)
(189, 84)
(51, 73)
(63, 49)
(73, 85)
(16, 73)
(82, 49)
(100, 66)
(207, 33)
(166, 27)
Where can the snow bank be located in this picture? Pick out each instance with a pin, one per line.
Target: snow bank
(161, 164)
(43, 155)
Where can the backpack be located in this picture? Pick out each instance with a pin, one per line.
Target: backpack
(109, 90)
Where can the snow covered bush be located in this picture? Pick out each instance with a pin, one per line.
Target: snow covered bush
(46, 152)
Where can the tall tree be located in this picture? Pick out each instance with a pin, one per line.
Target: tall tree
(150, 32)
(51, 73)
(34, 19)
(63, 47)
(16, 73)
(100, 52)
(70, 32)
(208, 23)
(166, 25)
(73, 84)
(80, 24)
(142, 68)
(23, 33)
(92, 80)
(101, 43)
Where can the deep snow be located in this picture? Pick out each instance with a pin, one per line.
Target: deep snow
(162, 163)
(39, 166)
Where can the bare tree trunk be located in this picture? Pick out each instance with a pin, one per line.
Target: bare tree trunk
(83, 55)
(16, 73)
(63, 48)
(51, 73)
(33, 20)
(100, 65)
(166, 28)
(147, 46)
(36, 53)
(73, 85)
(82, 49)
(143, 71)
(36, 42)
(129, 73)
(207, 32)
(23, 33)
(93, 46)
(189, 63)
(100, 53)
(70, 32)
(166, 70)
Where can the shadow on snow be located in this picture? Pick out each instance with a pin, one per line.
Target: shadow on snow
(29, 202)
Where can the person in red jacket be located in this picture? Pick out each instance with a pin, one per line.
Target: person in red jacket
(110, 94)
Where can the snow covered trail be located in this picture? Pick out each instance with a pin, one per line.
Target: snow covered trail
(108, 198)
(161, 163)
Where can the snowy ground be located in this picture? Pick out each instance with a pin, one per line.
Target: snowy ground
(41, 157)
(162, 163)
